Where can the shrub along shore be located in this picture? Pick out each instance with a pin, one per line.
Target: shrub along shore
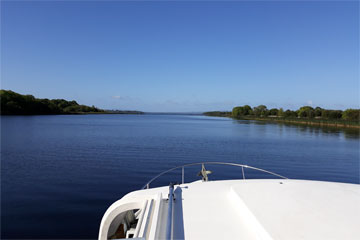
(349, 118)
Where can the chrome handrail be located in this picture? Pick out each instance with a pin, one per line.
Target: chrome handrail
(147, 185)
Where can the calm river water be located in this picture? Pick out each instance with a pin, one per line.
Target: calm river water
(60, 173)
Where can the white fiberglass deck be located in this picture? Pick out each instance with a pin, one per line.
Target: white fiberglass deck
(250, 209)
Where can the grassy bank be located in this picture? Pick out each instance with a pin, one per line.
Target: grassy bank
(303, 121)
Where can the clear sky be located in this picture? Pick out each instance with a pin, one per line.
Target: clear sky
(183, 56)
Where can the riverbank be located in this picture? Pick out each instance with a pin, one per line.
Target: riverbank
(311, 122)
(300, 121)
(13, 103)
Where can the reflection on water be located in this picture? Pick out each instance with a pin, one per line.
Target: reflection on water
(351, 133)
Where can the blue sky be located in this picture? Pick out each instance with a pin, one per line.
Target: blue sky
(183, 56)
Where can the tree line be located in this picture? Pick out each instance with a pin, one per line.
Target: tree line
(13, 103)
(307, 112)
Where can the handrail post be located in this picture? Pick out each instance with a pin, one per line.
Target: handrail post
(182, 175)
(170, 210)
(147, 186)
(242, 169)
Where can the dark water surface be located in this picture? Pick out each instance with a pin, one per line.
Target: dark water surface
(60, 173)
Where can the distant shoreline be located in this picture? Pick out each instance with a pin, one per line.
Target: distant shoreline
(294, 121)
(121, 112)
(15, 104)
(81, 113)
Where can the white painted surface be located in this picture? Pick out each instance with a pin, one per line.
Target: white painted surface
(253, 209)
(304, 209)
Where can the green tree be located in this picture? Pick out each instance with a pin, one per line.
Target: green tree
(306, 112)
(331, 114)
(281, 112)
(238, 112)
(290, 114)
(273, 112)
(351, 115)
(260, 111)
(318, 111)
(335, 114)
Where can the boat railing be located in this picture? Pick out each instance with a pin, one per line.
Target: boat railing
(204, 173)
